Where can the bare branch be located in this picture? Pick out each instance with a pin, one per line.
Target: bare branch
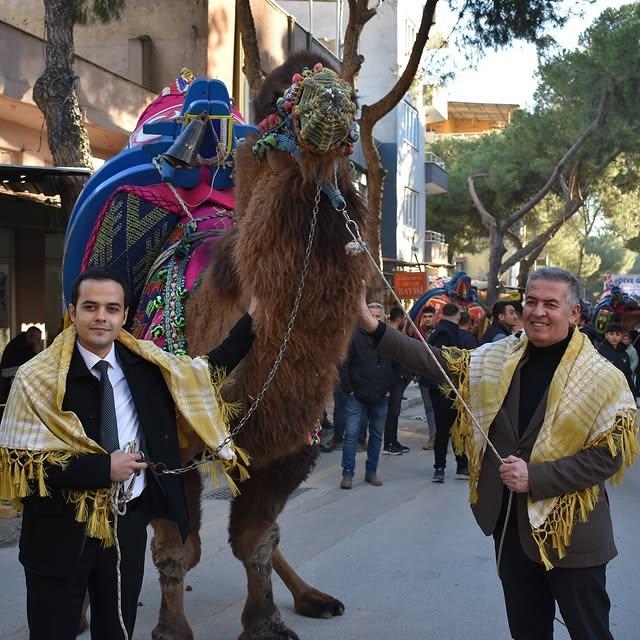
(359, 15)
(513, 237)
(577, 145)
(541, 240)
(487, 219)
(388, 102)
(252, 68)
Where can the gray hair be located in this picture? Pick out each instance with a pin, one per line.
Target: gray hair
(555, 274)
(375, 305)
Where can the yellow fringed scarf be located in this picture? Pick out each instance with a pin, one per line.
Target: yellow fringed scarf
(36, 432)
(589, 405)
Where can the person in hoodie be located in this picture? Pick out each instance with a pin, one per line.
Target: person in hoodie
(615, 352)
(446, 334)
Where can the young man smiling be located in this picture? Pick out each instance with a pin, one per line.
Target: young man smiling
(563, 421)
(72, 410)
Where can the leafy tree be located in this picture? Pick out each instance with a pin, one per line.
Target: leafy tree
(55, 90)
(584, 117)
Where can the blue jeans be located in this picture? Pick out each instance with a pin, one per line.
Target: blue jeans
(377, 414)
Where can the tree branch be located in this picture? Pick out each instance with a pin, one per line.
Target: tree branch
(379, 109)
(541, 240)
(577, 145)
(487, 219)
(512, 237)
(251, 68)
(359, 15)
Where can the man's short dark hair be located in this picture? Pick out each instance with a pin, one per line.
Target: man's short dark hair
(396, 313)
(450, 310)
(614, 326)
(465, 319)
(500, 308)
(33, 329)
(429, 310)
(100, 275)
(584, 316)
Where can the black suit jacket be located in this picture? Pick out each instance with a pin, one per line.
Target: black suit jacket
(51, 541)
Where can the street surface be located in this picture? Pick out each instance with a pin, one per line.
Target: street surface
(407, 558)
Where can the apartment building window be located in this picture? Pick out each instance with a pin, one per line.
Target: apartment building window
(410, 33)
(410, 208)
(410, 124)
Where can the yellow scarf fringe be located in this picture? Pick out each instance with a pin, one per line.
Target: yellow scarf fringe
(23, 472)
(557, 529)
(462, 432)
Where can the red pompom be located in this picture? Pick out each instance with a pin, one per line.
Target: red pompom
(296, 78)
(318, 66)
(287, 106)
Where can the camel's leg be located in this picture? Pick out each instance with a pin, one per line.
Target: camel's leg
(254, 534)
(307, 600)
(173, 559)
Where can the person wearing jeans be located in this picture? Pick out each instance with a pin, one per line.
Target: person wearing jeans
(366, 379)
(376, 414)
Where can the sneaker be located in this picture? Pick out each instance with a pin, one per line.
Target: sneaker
(402, 448)
(361, 447)
(346, 482)
(462, 473)
(392, 450)
(373, 479)
(332, 445)
(438, 476)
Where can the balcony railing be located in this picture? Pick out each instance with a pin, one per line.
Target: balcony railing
(429, 156)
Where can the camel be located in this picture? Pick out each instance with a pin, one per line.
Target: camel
(263, 256)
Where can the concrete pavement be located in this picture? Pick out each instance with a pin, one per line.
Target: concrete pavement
(407, 559)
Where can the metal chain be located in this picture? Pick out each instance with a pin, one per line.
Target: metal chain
(158, 467)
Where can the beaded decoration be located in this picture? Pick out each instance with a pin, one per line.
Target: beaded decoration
(315, 114)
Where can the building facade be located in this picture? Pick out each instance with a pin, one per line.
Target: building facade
(121, 67)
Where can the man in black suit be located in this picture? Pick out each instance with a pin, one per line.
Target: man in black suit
(60, 561)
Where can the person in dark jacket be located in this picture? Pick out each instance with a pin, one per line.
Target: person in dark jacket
(403, 377)
(18, 351)
(425, 384)
(446, 334)
(366, 379)
(467, 339)
(589, 330)
(504, 319)
(118, 397)
(615, 352)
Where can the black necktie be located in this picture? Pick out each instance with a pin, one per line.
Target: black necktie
(108, 421)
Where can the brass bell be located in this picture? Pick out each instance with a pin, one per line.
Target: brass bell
(184, 151)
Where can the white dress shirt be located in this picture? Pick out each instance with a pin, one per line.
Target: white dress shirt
(126, 413)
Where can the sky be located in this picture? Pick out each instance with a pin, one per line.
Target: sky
(508, 75)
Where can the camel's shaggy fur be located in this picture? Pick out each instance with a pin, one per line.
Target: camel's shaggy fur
(263, 256)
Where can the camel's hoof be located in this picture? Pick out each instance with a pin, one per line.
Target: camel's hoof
(271, 631)
(166, 632)
(315, 604)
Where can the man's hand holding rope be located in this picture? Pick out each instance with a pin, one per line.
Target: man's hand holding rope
(514, 473)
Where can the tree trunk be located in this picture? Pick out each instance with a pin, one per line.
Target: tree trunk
(496, 251)
(376, 173)
(525, 266)
(252, 67)
(55, 94)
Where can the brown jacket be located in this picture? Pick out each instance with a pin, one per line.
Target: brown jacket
(592, 542)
